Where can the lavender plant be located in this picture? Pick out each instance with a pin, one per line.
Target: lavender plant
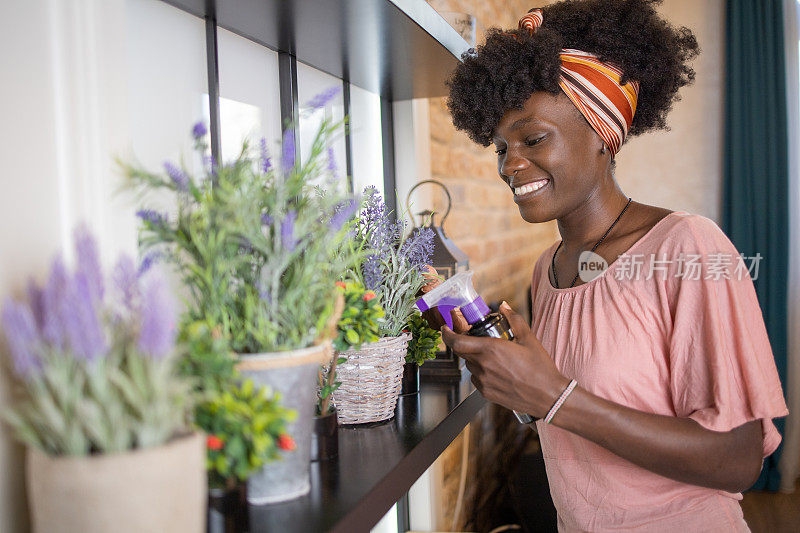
(392, 264)
(96, 363)
(258, 248)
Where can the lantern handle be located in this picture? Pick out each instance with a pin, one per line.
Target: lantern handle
(435, 182)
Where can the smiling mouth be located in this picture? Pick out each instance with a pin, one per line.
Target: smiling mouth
(529, 189)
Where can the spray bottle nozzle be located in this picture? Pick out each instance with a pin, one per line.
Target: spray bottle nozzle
(456, 292)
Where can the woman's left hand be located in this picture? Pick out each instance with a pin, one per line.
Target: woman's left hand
(517, 374)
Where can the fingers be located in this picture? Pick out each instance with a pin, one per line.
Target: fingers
(433, 279)
(460, 324)
(464, 345)
(522, 332)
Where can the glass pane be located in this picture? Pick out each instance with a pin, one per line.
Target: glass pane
(310, 83)
(365, 132)
(167, 81)
(249, 94)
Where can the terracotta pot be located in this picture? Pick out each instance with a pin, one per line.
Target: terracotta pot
(325, 438)
(162, 488)
(292, 374)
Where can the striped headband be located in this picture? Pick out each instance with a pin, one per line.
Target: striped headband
(594, 88)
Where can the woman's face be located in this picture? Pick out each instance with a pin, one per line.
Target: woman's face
(549, 156)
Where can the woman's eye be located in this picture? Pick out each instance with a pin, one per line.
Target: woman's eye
(533, 142)
(500, 151)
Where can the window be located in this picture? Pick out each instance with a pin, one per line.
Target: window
(249, 101)
(167, 81)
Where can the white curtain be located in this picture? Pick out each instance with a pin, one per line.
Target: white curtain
(790, 459)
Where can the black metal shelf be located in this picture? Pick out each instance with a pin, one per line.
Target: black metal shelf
(376, 466)
(399, 49)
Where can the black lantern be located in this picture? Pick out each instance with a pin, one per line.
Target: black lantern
(448, 260)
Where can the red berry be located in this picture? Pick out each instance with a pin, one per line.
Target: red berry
(285, 442)
(214, 443)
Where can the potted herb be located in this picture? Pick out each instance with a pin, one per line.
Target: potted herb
(102, 408)
(260, 249)
(422, 347)
(358, 324)
(393, 267)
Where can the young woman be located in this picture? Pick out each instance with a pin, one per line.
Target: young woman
(654, 382)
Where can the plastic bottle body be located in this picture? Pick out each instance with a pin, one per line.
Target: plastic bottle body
(495, 325)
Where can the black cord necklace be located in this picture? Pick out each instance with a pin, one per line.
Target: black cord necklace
(553, 262)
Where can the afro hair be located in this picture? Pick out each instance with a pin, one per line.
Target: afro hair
(513, 64)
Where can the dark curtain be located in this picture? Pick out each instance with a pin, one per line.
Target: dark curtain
(756, 186)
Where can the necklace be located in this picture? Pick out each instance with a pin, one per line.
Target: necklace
(553, 262)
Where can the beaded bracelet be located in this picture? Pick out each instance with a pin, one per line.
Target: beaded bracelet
(560, 401)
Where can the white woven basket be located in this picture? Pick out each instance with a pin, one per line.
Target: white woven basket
(371, 380)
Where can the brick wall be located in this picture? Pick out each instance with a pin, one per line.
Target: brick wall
(484, 221)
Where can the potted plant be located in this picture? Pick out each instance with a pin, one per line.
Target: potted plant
(246, 428)
(422, 347)
(358, 324)
(102, 409)
(260, 249)
(393, 267)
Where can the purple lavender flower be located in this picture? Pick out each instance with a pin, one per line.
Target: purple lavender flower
(82, 323)
(332, 164)
(418, 248)
(178, 176)
(266, 160)
(54, 305)
(159, 311)
(210, 164)
(152, 217)
(321, 99)
(148, 261)
(288, 237)
(289, 150)
(20, 330)
(36, 299)
(372, 271)
(376, 226)
(89, 262)
(199, 130)
(342, 214)
(125, 279)
(266, 219)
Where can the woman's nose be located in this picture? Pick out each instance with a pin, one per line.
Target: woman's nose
(513, 164)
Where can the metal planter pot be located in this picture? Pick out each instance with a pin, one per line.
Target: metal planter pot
(292, 374)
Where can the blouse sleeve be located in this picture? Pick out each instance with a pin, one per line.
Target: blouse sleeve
(722, 371)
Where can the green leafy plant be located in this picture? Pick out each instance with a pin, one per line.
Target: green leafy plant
(424, 340)
(246, 428)
(96, 363)
(358, 324)
(206, 357)
(360, 318)
(258, 248)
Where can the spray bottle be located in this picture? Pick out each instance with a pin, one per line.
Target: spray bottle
(458, 292)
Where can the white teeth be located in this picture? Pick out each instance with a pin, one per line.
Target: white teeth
(530, 187)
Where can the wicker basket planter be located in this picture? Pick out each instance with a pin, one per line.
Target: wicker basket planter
(371, 380)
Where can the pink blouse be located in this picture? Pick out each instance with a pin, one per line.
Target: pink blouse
(672, 327)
